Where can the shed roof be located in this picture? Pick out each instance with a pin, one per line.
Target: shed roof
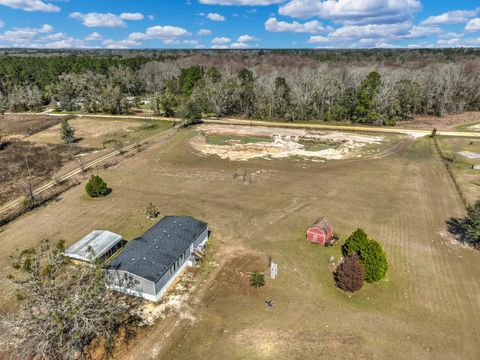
(152, 254)
(93, 246)
(323, 224)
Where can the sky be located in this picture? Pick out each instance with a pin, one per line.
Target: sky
(239, 24)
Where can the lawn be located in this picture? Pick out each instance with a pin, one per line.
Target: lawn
(426, 308)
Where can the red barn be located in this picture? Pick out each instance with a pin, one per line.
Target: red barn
(321, 232)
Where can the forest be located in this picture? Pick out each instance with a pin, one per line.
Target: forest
(378, 87)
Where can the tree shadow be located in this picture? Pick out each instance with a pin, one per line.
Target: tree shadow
(455, 226)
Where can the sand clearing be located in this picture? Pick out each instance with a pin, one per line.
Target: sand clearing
(286, 143)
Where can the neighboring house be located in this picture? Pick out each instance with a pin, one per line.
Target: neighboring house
(98, 245)
(150, 263)
(321, 232)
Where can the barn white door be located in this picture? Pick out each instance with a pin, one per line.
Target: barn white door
(315, 238)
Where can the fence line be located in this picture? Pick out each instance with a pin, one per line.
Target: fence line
(448, 166)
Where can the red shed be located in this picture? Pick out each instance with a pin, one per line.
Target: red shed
(321, 232)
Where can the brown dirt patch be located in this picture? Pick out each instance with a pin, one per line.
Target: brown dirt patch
(25, 125)
(43, 161)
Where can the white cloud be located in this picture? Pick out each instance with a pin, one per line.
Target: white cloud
(450, 17)
(309, 27)
(151, 17)
(473, 25)
(221, 40)
(168, 34)
(95, 36)
(120, 44)
(215, 17)
(353, 12)
(239, 45)
(2, 24)
(41, 37)
(204, 32)
(30, 5)
(160, 32)
(419, 32)
(131, 16)
(180, 42)
(45, 28)
(245, 38)
(66, 43)
(241, 2)
(370, 35)
(94, 19)
(449, 42)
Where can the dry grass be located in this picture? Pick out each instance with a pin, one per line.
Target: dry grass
(24, 125)
(102, 132)
(427, 307)
(43, 161)
(448, 122)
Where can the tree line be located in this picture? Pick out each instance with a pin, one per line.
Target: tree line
(372, 92)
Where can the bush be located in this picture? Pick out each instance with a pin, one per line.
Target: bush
(350, 274)
(151, 211)
(96, 187)
(27, 203)
(370, 253)
(257, 279)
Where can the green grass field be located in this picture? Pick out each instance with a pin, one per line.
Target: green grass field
(426, 308)
(220, 139)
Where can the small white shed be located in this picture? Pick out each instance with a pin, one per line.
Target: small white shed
(99, 244)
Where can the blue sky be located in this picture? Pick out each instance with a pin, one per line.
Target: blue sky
(239, 24)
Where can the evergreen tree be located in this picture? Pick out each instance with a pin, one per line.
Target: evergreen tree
(67, 132)
(370, 253)
(96, 187)
(365, 105)
(247, 94)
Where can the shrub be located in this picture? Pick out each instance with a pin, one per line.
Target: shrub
(96, 187)
(151, 211)
(350, 274)
(257, 279)
(27, 203)
(370, 253)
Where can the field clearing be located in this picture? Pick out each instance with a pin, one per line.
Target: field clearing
(457, 122)
(243, 143)
(100, 133)
(20, 126)
(427, 308)
(467, 177)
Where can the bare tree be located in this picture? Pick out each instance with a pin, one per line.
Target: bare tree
(64, 308)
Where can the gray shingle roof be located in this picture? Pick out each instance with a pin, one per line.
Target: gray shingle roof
(153, 253)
